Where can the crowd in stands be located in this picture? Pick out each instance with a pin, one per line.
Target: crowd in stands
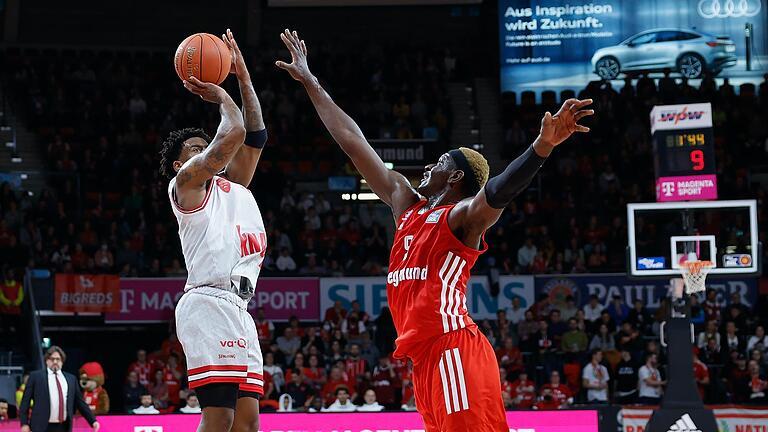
(550, 356)
(106, 209)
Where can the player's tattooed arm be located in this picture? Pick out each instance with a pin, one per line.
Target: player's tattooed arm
(195, 173)
(473, 216)
(392, 187)
(242, 167)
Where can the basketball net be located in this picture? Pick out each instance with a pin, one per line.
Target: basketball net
(695, 274)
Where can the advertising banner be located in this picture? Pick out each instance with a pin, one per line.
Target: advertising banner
(518, 421)
(87, 293)
(562, 44)
(681, 188)
(153, 300)
(371, 293)
(651, 291)
(730, 418)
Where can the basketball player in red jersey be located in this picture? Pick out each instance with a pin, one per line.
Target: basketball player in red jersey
(440, 227)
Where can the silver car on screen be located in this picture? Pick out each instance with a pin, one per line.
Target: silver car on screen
(689, 52)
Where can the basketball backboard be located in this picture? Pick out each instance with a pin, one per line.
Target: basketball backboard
(663, 235)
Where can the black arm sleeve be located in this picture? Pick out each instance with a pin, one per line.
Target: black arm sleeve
(502, 189)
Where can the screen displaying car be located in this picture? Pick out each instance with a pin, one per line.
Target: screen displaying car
(689, 52)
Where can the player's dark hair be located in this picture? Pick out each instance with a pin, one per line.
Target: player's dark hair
(172, 148)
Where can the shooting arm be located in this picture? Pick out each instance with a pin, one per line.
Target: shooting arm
(242, 167)
(195, 173)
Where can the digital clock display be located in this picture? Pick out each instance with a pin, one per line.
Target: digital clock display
(685, 140)
(686, 152)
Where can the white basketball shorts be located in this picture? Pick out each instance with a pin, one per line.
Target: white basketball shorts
(219, 339)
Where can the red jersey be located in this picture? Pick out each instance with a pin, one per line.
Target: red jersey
(524, 393)
(173, 384)
(264, 329)
(355, 367)
(560, 393)
(143, 370)
(92, 398)
(429, 270)
(700, 372)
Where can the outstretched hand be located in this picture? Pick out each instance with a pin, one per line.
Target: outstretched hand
(557, 128)
(238, 62)
(298, 67)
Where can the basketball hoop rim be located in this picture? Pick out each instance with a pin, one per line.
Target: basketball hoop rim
(695, 267)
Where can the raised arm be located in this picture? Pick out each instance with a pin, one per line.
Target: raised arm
(472, 217)
(195, 173)
(392, 187)
(242, 167)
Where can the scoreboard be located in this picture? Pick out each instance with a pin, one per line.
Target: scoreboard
(684, 154)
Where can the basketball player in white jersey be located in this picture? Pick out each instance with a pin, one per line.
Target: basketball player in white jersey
(224, 242)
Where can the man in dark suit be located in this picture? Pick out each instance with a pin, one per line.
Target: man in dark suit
(56, 394)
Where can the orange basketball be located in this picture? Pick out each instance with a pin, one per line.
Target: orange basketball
(204, 56)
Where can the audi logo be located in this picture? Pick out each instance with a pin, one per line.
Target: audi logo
(729, 8)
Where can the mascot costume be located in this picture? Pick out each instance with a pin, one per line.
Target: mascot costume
(92, 382)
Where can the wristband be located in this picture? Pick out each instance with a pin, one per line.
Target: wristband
(256, 139)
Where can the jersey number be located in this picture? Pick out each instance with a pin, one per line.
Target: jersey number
(407, 245)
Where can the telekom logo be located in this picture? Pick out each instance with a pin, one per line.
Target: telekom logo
(250, 243)
(668, 188)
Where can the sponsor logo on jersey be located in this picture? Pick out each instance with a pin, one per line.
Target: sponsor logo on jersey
(737, 260)
(406, 274)
(250, 243)
(649, 263)
(239, 343)
(434, 217)
(223, 184)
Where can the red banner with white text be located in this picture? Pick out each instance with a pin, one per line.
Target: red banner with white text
(87, 293)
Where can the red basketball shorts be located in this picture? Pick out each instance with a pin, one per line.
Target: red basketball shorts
(457, 386)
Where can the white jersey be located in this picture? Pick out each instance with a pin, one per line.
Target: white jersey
(223, 239)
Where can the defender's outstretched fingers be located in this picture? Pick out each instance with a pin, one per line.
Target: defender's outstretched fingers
(289, 45)
(583, 103)
(581, 114)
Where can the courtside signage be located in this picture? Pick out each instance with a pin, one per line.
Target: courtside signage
(518, 421)
(371, 293)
